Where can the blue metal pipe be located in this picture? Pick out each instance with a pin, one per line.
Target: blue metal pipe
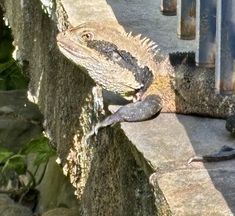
(206, 32)
(225, 57)
(186, 13)
(168, 7)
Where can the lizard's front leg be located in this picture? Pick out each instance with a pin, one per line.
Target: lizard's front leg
(133, 112)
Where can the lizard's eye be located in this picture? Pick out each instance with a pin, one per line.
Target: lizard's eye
(87, 36)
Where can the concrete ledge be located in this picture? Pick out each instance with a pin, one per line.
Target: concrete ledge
(167, 142)
(138, 16)
(108, 179)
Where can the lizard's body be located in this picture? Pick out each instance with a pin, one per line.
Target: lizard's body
(133, 68)
(190, 90)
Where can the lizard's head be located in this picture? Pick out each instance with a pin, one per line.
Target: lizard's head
(75, 43)
(94, 39)
(116, 60)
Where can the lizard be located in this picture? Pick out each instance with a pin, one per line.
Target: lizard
(133, 67)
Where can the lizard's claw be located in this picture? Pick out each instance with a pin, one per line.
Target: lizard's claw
(195, 159)
(89, 135)
(96, 128)
(94, 131)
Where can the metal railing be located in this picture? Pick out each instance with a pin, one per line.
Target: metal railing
(212, 24)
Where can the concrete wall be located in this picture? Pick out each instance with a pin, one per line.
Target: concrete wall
(110, 177)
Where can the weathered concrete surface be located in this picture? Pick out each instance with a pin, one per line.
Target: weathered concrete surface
(110, 177)
(138, 16)
(168, 142)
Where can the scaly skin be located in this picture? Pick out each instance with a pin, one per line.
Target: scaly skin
(132, 67)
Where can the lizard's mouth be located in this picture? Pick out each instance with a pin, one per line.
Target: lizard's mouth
(69, 47)
(65, 50)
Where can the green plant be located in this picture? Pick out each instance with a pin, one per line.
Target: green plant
(16, 164)
(12, 76)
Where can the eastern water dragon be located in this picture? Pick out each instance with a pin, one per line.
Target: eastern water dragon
(132, 67)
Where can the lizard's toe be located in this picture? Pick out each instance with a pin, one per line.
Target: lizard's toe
(195, 159)
(89, 135)
(96, 129)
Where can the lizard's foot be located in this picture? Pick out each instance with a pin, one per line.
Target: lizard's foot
(94, 131)
(138, 96)
(138, 111)
(225, 153)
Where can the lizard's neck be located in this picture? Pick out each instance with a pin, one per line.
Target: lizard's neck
(163, 86)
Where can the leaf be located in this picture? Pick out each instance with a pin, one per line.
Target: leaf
(5, 154)
(43, 157)
(16, 162)
(40, 144)
(12, 76)
(41, 148)
(4, 66)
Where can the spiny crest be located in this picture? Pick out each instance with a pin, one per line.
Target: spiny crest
(144, 42)
(143, 49)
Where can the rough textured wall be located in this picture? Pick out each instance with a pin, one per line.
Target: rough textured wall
(107, 177)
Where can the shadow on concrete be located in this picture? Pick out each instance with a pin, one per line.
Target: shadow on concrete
(145, 18)
(221, 173)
